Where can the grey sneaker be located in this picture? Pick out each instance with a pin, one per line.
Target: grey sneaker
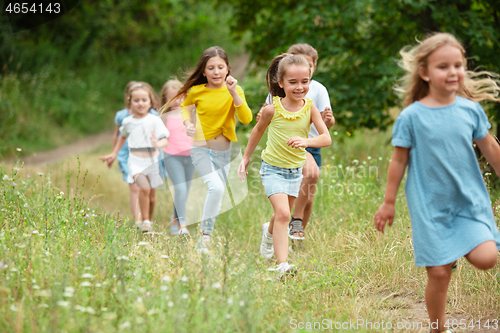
(203, 245)
(266, 246)
(184, 232)
(146, 226)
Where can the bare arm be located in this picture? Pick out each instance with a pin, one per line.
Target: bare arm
(491, 150)
(255, 136)
(323, 140)
(115, 135)
(111, 157)
(394, 177)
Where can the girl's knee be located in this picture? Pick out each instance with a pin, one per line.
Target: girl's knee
(439, 273)
(484, 256)
(281, 215)
(144, 191)
(216, 189)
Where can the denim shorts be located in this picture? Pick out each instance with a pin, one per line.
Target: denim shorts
(316, 154)
(280, 180)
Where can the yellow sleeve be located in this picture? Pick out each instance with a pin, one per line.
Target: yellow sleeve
(187, 105)
(243, 112)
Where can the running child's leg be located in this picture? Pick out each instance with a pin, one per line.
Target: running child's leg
(435, 294)
(484, 256)
(152, 202)
(304, 202)
(282, 204)
(144, 195)
(134, 201)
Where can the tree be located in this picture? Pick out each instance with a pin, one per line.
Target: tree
(358, 42)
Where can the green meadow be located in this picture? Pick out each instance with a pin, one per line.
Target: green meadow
(70, 260)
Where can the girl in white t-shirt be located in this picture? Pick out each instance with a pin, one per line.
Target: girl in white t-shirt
(146, 133)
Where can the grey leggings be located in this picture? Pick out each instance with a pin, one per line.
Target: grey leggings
(180, 170)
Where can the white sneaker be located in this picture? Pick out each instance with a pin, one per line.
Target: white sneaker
(284, 269)
(266, 246)
(203, 245)
(184, 232)
(146, 226)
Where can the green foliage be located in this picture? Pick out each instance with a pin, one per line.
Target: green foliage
(64, 80)
(99, 30)
(358, 43)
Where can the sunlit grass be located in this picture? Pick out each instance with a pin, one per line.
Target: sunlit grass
(70, 261)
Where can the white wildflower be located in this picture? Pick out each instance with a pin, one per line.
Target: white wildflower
(86, 284)
(64, 304)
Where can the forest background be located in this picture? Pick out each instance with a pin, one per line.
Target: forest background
(61, 81)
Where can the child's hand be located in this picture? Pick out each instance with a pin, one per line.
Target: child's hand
(257, 117)
(154, 142)
(242, 168)
(327, 115)
(190, 129)
(231, 84)
(297, 142)
(384, 213)
(109, 159)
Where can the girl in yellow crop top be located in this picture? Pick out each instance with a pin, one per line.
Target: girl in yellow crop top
(212, 98)
(289, 119)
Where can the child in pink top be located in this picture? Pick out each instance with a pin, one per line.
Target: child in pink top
(177, 158)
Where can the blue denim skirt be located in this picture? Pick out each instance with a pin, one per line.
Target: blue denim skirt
(280, 180)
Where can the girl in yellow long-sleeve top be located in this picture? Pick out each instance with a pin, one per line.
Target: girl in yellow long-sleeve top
(214, 97)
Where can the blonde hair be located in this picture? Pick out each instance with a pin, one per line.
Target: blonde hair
(155, 101)
(478, 86)
(170, 84)
(304, 49)
(278, 68)
(127, 93)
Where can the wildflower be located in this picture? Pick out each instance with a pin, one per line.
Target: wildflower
(18, 149)
(185, 296)
(184, 279)
(229, 301)
(87, 275)
(86, 284)
(125, 325)
(148, 293)
(164, 256)
(242, 303)
(228, 316)
(142, 243)
(64, 304)
(170, 304)
(216, 285)
(163, 288)
(40, 174)
(202, 299)
(15, 184)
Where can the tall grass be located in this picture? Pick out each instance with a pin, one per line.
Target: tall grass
(70, 262)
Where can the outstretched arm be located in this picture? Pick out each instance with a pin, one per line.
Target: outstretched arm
(394, 177)
(111, 157)
(255, 136)
(491, 150)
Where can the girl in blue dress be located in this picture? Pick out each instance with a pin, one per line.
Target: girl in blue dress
(451, 213)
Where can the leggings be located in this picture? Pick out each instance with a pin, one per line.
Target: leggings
(213, 167)
(180, 169)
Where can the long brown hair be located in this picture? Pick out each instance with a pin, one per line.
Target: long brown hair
(278, 68)
(197, 77)
(478, 86)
